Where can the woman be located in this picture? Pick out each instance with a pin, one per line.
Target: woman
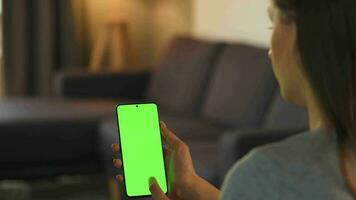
(313, 51)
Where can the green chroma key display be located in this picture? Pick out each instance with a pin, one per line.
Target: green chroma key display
(141, 148)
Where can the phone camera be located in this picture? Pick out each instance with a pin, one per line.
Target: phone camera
(136, 106)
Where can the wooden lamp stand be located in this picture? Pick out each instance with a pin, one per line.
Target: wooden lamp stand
(113, 39)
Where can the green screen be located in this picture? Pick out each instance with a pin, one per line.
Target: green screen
(142, 152)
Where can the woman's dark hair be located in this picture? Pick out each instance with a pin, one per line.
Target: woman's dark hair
(326, 42)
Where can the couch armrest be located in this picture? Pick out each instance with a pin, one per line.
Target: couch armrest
(104, 85)
(234, 145)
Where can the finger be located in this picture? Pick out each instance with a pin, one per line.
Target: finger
(115, 148)
(167, 152)
(156, 190)
(167, 162)
(119, 178)
(169, 136)
(117, 163)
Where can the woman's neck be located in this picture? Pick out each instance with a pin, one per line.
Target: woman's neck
(317, 117)
(317, 120)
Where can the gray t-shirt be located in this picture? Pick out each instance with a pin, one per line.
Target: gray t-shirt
(303, 167)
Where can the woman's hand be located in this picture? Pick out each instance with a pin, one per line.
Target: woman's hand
(183, 181)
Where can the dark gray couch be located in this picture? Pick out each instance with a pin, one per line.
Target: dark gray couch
(207, 87)
(212, 95)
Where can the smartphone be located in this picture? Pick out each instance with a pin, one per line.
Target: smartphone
(141, 147)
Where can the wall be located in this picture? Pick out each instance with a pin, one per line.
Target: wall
(232, 20)
(168, 19)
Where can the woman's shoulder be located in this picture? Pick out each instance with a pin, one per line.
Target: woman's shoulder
(304, 151)
(302, 164)
(247, 178)
(304, 148)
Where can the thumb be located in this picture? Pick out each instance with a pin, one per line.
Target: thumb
(156, 190)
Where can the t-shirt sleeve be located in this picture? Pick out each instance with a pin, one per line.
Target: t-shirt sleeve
(254, 177)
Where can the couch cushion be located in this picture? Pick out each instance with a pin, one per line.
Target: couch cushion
(205, 159)
(241, 88)
(188, 127)
(282, 114)
(181, 77)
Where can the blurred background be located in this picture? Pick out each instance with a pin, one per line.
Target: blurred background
(66, 64)
(43, 37)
